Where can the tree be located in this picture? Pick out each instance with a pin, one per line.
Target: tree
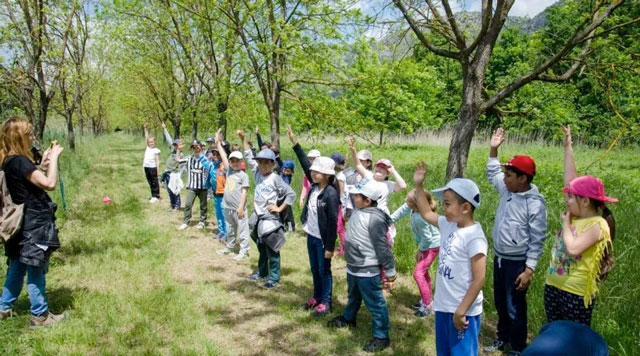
(474, 57)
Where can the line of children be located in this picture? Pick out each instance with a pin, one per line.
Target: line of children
(320, 222)
(268, 232)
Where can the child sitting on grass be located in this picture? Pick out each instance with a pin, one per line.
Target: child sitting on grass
(461, 265)
(268, 232)
(366, 253)
(581, 255)
(428, 238)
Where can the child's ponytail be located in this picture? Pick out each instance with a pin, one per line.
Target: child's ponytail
(608, 260)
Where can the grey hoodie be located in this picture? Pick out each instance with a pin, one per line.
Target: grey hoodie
(520, 226)
(366, 248)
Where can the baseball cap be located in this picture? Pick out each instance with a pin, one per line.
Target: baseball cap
(384, 162)
(288, 164)
(210, 139)
(235, 154)
(364, 155)
(314, 154)
(176, 141)
(524, 164)
(337, 157)
(266, 154)
(466, 188)
(369, 188)
(324, 165)
(589, 187)
(195, 143)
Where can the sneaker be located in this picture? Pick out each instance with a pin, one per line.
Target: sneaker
(6, 314)
(417, 305)
(46, 319)
(224, 251)
(270, 284)
(310, 304)
(376, 345)
(153, 200)
(423, 312)
(183, 226)
(241, 256)
(256, 277)
(497, 345)
(200, 225)
(340, 322)
(513, 353)
(321, 310)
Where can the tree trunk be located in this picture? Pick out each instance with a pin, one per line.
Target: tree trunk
(194, 130)
(70, 133)
(274, 114)
(465, 127)
(222, 118)
(176, 129)
(381, 137)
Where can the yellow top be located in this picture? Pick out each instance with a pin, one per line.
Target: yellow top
(578, 275)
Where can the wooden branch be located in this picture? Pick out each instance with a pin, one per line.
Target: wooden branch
(577, 38)
(487, 10)
(461, 42)
(425, 42)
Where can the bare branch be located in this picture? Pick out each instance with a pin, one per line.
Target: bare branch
(460, 39)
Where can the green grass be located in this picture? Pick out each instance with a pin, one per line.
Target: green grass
(131, 284)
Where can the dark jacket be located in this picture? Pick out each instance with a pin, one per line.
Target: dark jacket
(328, 203)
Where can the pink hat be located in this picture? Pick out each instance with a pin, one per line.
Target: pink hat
(588, 187)
(384, 162)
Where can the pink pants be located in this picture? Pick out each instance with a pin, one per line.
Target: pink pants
(341, 231)
(421, 274)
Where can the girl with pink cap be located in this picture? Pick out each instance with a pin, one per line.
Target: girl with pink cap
(581, 255)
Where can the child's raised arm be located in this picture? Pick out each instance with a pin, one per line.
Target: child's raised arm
(354, 155)
(421, 197)
(302, 158)
(167, 135)
(400, 183)
(570, 172)
(221, 151)
(496, 140)
(478, 272)
(248, 154)
(146, 133)
(494, 170)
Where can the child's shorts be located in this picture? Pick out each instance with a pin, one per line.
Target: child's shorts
(449, 341)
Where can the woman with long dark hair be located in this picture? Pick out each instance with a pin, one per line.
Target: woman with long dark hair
(28, 251)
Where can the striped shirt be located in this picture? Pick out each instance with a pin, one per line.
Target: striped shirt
(196, 174)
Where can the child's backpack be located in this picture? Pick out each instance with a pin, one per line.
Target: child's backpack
(10, 213)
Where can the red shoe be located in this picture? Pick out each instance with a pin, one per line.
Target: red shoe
(310, 304)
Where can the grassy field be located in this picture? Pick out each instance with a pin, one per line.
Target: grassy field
(130, 283)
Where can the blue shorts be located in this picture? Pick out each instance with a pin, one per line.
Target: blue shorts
(449, 341)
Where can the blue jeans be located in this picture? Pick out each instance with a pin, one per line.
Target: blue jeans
(449, 341)
(368, 289)
(222, 227)
(174, 199)
(320, 270)
(35, 286)
(511, 304)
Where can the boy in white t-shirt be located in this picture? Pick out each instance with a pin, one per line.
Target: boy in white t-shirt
(150, 163)
(461, 265)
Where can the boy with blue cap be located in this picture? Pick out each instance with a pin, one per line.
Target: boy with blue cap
(268, 232)
(461, 265)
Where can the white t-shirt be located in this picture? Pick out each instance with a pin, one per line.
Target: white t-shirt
(150, 157)
(457, 247)
(340, 177)
(311, 227)
(390, 186)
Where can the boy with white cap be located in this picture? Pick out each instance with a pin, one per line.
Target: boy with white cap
(234, 202)
(366, 252)
(268, 232)
(461, 265)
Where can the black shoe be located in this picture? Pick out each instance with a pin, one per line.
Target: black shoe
(340, 322)
(377, 344)
(416, 306)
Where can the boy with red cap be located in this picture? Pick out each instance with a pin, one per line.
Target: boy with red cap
(519, 231)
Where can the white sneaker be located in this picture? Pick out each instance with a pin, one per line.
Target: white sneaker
(241, 256)
(183, 226)
(200, 225)
(224, 251)
(153, 200)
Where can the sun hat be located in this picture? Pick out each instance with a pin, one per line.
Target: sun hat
(288, 164)
(266, 154)
(466, 188)
(324, 165)
(364, 155)
(369, 188)
(589, 187)
(524, 164)
(314, 154)
(235, 154)
(384, 162)
(337, 157)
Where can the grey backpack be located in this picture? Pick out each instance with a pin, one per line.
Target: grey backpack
(10, 213)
